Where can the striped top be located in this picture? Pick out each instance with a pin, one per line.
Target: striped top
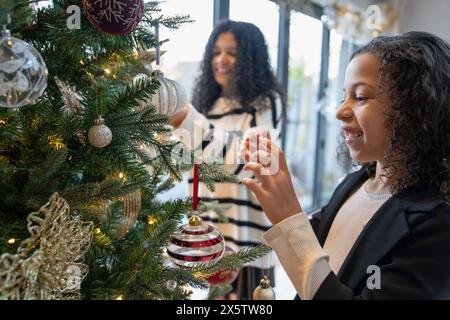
(218, 136)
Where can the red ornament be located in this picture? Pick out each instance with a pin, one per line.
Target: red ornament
(225, 276)
(114, 17)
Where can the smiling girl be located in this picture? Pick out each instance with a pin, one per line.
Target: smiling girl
(385, 234)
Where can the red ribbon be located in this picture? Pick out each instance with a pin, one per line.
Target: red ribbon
(195, 198)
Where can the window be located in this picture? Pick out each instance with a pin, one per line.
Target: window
(183, 55)
(338, 59)
(264, 14)
(303, 89)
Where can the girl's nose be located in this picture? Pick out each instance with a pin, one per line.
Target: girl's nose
(344, 113)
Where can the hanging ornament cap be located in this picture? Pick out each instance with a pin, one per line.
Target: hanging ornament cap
(265, 283)
(99, 121)
(195, 221)
(6, 33)
(264, 291)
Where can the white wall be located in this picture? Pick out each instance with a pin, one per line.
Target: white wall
(426, 15)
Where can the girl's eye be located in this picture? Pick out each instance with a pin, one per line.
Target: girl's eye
(361, 99)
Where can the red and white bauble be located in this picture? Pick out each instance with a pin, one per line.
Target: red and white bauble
(225, 276)
(114, 17)
(194, 243)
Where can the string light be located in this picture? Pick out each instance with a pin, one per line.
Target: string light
(121, 175)
(151, 220)
(11, 241)
(2, 122)
(119, 297)
(107, 71)
(82, 62)
(135, 54)
(55, 141)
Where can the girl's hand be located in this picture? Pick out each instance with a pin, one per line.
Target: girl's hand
(274, 189)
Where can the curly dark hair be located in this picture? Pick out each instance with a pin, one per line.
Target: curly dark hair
(253, 77)
(415, 72)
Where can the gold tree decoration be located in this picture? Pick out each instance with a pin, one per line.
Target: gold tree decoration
(50, 263)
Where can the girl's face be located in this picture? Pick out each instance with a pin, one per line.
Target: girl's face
(362, 113)
(224, 59)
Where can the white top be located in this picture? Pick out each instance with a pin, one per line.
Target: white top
(308, 264)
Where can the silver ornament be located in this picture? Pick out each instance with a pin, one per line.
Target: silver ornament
(170, 97)
(99, 135)
(23, 73)
(264, 291)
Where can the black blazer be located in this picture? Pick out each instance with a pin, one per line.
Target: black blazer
(408, 238)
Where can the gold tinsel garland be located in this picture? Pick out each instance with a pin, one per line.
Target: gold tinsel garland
(49, 264)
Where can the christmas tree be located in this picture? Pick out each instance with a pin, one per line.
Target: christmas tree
(88, 159)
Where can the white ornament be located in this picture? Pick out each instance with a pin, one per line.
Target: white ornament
(264, 291)
(23, 73)
(99, 135)
(170, 97)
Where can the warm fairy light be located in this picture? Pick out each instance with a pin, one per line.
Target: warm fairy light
(82, 62)
(2, 122)
(11, 241)
(107, 71)
(55, 141)
(199, 275)
(151, 220)
(114, 76)
(121, 175)
(119, 297)
(97, 231)
(9, 43)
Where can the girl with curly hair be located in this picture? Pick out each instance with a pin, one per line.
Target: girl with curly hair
(385, 234)
(235, 93)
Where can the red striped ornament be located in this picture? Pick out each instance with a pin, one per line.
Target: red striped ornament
(194, 243)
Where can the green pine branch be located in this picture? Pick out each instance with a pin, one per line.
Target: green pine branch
(233, 261)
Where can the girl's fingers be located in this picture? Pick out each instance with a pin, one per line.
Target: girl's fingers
(261, 157)
(278, 155)
(254, 186)
(256, 168)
